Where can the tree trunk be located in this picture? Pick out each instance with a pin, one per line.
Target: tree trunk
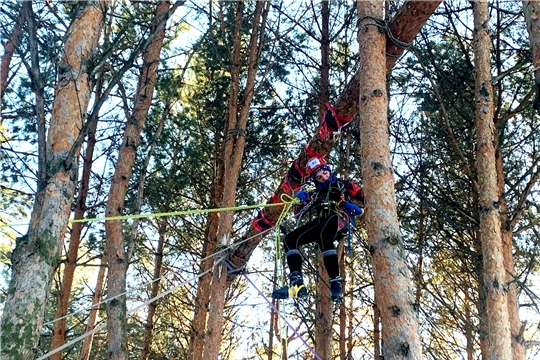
(469, 337)
(481, 303)
(37, 253)
(343, 307)
(202, 299)
(393, 287)
(519, 351)
(272, 317)
(405, 26)
(323, 314)
(92, 317)
(9, 49)
(59, 330)
(323, 308)
(507, 225)
(324, 94)
(115, 246)
(233, 152)
(158, 261)
(531, 11)
(490, 227)
(376, 330)
(344, 340)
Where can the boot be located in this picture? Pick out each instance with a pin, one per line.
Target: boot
(297, 287)
(336, 290)
(281, 293)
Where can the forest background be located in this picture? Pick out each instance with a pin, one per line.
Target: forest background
(167, 95)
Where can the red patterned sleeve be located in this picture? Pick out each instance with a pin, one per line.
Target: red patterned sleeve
(354, 190)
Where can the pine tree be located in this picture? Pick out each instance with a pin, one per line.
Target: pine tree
(37, 253)
(490, 222)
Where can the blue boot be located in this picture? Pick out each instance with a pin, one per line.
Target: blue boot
(297, 289)
(336, 290)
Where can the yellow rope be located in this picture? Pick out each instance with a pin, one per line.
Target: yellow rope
(287, 199)
(176, 213)
(183, 212)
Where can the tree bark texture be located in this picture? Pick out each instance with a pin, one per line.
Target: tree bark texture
(393, 286)
(405, 26)
(481, 307)
(36, 254)
(324, 317)
(115, 245)
(324, 94)
(158, 262)
(490, 227)
(202, 298)
(323, 313)
(531, 11)
(86, 348)
(59, 330)
(343, 310)
(9, 48)
(519, 352)
(233, 152)
(508, 223)
(376, 330)
(469, 337)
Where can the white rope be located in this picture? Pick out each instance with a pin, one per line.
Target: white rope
(131, 311)
(151, 282)
(149, 301)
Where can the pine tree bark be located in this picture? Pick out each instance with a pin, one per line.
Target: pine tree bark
(324, 317)
(323, 314)
(202, 298)
(531, 12)
(117, 258)
(469, 337)
(404, 26)
(490, 226)
(345, 340)
(343, 310)
(86, 347)
(158, 255)
(9, 48)
(233, 152)
(393, 287)
(158, 262)
(59, 329)
(481, 303)
(36, 254)
(376, 329)
(519, 352)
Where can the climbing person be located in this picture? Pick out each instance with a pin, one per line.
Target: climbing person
(331, 203)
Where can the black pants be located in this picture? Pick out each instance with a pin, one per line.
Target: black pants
(323, 231)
